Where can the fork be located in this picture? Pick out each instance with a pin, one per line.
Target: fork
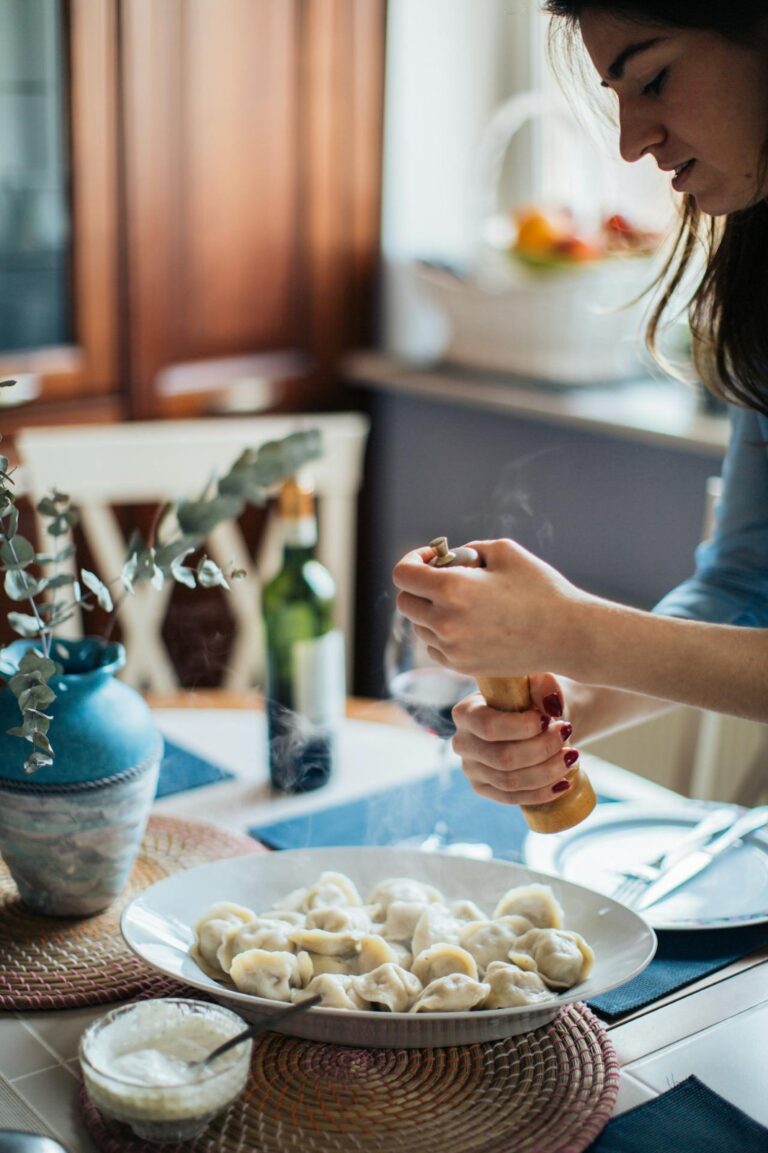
(640, 876)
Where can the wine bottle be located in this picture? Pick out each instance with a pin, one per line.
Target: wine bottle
(305, 654)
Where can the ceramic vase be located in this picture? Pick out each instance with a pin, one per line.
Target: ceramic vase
(70, 832)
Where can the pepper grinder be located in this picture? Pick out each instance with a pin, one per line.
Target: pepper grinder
(513, 695)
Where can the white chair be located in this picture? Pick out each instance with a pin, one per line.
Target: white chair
(105, 466)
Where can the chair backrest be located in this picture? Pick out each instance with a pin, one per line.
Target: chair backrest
(102, 467)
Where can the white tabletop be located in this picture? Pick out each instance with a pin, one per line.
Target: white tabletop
(38, 1062)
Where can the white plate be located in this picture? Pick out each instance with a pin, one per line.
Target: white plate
(731, 892)
(157, 925)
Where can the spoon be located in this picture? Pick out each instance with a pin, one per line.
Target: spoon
(262, 1026)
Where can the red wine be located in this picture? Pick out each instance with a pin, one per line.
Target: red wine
(428, 695)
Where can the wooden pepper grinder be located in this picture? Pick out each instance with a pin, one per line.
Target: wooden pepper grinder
(513, 695)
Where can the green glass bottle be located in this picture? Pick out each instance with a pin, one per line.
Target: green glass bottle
(305, 654)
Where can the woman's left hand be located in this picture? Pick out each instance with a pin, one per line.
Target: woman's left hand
(511, 617)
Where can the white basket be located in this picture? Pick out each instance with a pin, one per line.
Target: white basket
(572, 325)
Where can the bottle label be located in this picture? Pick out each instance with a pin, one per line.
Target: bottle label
(300, 532)
(318, 679)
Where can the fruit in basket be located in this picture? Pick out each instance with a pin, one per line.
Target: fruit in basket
(551, 239)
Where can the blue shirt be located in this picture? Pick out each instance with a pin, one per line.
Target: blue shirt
(730, 584)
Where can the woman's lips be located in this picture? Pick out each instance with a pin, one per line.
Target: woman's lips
(682, 175)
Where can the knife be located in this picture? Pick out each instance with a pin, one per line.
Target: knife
(694, 863)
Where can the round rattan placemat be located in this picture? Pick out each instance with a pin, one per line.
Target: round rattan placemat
(61, 962)
(549, 1091)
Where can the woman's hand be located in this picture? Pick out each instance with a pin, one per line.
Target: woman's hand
(513, 615)
(517, 758)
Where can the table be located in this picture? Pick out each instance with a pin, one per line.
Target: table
(715, 1028)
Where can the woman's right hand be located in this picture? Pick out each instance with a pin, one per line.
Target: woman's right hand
(517, 758)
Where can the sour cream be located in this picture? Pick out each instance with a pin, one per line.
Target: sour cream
(138, 1066)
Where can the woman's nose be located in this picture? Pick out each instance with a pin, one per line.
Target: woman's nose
(639, 133)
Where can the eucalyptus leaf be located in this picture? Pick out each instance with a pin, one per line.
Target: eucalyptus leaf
(16, 553)
(158, 578)
(41, 742)
(24, 624)
(56, 557)
(98, 588)
(178, 549)
(36, 697)
(61, 580)
(202, 516)
(47, 507)
(37, 761)
(210, 576)
(20, 585)
(34, 661)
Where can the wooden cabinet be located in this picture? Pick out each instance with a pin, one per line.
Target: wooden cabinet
(225, 194)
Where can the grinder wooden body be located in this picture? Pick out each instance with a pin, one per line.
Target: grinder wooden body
(513, 695)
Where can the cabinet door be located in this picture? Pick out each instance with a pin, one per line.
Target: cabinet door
(58, 201)
(252, 169)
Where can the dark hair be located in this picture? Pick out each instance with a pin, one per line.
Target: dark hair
(728, 311)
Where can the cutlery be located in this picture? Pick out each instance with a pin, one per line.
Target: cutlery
(260, 1026)
(637, 878)
(694, 863)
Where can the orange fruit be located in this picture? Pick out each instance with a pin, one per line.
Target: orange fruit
(536, 233)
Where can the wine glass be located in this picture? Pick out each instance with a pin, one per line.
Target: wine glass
(428, 691)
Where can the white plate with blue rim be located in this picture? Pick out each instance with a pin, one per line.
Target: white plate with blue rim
(730, 893)
(158, 925)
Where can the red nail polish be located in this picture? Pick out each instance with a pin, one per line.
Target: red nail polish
(566, 731)
(561, 786)
(545, 723)
(554, 705)
(570, 757)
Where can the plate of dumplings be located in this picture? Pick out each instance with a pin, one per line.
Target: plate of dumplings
(407, 949)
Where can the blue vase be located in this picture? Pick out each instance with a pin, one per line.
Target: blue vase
(70, 832)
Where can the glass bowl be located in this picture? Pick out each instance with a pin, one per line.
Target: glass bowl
(134, 1063)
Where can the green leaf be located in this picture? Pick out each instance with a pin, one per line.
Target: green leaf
(34, 661)
(60, 580)
(181, 573)
(20, 586)
(46, 506)
(202, 516)
(177, 549)
(16, 553)
(37, 761)
(210, 575)
(58, 527)
(36, 697)
(23, 624)
(42, 742)
(55, 557)
(100, 590)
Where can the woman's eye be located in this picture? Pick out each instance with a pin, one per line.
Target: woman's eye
(654, 87)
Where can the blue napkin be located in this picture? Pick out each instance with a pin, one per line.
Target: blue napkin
(405, 811)
(180, 770)
(688, 1117)
(681, 957)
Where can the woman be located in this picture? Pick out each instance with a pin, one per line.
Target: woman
(691, 86)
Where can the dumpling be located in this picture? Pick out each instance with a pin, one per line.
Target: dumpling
(465, 910)
(323, 964)
(491, 940)
(536, 902)
(332, 944)
(295, 901)
(453, 994)
(290, 916)
(272, 975)
(332, 889)
(389, 985)
(214, 926)
(338, 918)
(338, 990)
(436, 925)
(401, 920)
(563, 958)
(375, 951)
(512, 986)
(402, 889)
(257, 934)
(442, 960)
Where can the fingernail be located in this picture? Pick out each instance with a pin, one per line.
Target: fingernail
(553, 705)
(545, 723)
(561, 787)
(566, 731)
(570, 757)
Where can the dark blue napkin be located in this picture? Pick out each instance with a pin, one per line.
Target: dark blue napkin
(412, 810)
(180, 770)
(688, 1117)
(405, 811)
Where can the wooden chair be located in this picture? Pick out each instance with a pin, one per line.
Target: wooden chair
(105, 466)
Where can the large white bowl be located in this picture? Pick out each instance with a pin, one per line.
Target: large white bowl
(157, 925)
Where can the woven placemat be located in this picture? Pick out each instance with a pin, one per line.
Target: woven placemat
(61, 962)
(549, 1091)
